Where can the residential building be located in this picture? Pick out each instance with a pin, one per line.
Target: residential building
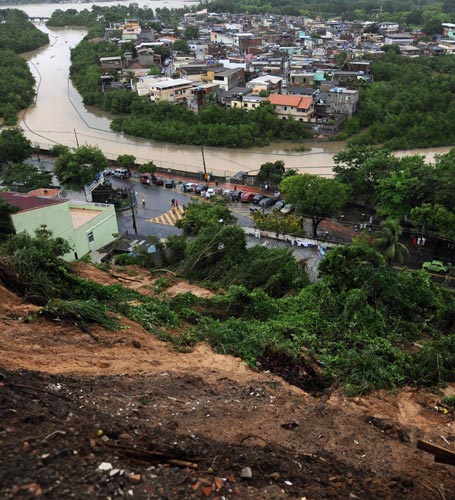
(227, 78)
(86, 226)
(298, 107)
(247, 102)
(175, 90)
(131, 30)
(111, 63)
(203, 95)
(398, 39)
(266, 82)
(448, 30)
(342, 101)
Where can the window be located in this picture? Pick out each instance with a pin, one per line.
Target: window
(90, 237)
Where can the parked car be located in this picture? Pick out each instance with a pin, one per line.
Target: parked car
(435, 266)
(158, 181)
(257, 198)
(200, 188)
(287, 209)
(210, 192)
(169, 183)
(246, 197)
(189, 187)
(279, 205)
(107, 171)
(235, 195)
(146, 178)
(266, 202)
(121, 173)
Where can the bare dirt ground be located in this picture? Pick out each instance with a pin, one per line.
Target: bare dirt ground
(127, 417)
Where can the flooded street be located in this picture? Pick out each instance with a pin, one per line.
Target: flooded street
(59, 117)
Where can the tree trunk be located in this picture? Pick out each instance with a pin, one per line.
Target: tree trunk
(314, 225)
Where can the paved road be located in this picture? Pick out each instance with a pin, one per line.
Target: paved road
(157, 217)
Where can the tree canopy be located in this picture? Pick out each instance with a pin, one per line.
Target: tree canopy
(14, 146)
(23, 177)
(315, 197)
(79, 167)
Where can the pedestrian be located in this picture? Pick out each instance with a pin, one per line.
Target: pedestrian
(216, 183)
(143, 202)
(235, 188)
(371, 219)
(176, 203)
(172, 203)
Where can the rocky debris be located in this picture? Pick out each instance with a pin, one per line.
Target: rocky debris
(246, 473)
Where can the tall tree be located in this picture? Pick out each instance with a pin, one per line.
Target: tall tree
(434, 218)
(361, 167)
(271, 173)
(191, 32)
(22, 177)
(14, 146)
(77, 168)
(6, 224)
(388, 242)
(315, 197)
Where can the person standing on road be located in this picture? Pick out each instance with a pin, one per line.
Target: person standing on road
(176, 203)
(143, 202)
(172, 203)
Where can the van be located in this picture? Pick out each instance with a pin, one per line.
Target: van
(121, 173)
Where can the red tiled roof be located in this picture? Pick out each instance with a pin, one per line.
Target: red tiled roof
(295, 101)
(26, 202)
(45, 192)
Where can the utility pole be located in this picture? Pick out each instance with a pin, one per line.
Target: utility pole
(77, 140)
(132, 210)
(203, 161)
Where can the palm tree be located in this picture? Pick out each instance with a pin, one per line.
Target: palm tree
(388, 241)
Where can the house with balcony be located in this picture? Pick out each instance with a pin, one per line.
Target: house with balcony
(175, 90)
(131, 30)
(111, 63)
(300, 108)
(85, 226)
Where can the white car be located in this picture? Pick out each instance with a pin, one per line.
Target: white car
(210, 192)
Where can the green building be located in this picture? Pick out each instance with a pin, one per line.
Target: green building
(86, 226)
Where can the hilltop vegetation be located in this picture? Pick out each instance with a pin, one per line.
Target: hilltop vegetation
(359, 323)
(17, 35)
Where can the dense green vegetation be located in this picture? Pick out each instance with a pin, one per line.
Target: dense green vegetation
(400, 188)
(363, 324)
(410, 104)
(17, 35)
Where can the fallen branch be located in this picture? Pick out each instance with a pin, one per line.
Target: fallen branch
(441, 455)
(155, 457)
(31, 388)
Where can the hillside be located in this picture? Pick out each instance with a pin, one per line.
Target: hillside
(184, 425)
